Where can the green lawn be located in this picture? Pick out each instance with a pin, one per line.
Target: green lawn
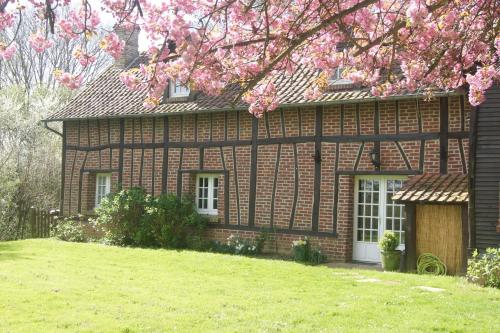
(53, 286)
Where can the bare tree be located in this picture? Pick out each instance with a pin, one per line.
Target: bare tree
(30, 158)
(30, 69)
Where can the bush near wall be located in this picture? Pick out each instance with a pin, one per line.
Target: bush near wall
(133, 217)
(70, 229)
(484, 269)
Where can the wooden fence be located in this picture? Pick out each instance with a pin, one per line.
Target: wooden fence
(35, 222)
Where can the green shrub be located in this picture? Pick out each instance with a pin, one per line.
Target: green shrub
(175, 222)
(122, 218)
(302, 252)
(70, 229)
(316, 257)
(133, 217)
(301, 249)
(389, 242)
(484, 269)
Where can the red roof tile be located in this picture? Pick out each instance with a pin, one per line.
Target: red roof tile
(108, 97)
(434, 188)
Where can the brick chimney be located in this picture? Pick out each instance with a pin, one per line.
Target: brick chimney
(131, 49)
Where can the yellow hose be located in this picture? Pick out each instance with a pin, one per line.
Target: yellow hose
(428, 263)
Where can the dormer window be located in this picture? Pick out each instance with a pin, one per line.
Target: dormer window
(336, 78)
(178, 90)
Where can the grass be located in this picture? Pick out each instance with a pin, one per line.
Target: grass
(53, 286)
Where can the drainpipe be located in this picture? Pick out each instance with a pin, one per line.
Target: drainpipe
(51, 129)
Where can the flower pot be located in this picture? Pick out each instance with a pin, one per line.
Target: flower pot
(391, 260)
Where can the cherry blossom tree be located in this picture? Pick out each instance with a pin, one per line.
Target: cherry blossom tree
(389, 46)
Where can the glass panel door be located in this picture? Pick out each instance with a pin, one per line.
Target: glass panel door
(375, 212)
(368, 210)
(395, 213)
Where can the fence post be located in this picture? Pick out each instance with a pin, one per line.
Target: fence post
(32, 216)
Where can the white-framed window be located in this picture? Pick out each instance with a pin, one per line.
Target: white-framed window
(102, 187)
(207, 188)
(336, 77)
(178, 90)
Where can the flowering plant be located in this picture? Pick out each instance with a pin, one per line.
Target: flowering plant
(301, 249)
(240, 245)
(390, 46)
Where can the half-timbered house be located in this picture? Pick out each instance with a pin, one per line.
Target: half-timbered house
(325, 168)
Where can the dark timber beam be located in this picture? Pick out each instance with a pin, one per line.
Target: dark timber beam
(443, 135)
(164, 168)
(275, 230)
(411, 237)
(63, 168)
(317, 167)
(253, 173)
(121, 144)
(273, 141)
(376, 127)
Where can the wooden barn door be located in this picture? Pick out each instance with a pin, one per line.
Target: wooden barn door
(439, 231)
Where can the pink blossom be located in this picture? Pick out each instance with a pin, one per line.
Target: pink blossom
(68, 80)
(441, 45)
(6, 20)
(83, 58)
(7, 52)
(130, 79)
(39, 43)
(112, 44)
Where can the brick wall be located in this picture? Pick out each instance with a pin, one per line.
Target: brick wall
(156, 149)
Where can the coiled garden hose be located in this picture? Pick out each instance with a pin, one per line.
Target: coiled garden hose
(428, 263)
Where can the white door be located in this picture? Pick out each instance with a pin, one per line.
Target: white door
(375, 212)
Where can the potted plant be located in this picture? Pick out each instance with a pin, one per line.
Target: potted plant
(390, 256)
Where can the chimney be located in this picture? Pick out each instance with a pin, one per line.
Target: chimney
(131, 49)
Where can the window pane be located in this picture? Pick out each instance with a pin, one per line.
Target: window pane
(368, 210)
(397, 225)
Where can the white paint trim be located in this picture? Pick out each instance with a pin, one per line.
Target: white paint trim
(185, 91)
(368, 251)
(107, 189)
(209, 210)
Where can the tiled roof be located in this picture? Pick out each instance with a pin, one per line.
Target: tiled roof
(434, 188)
(108, 97)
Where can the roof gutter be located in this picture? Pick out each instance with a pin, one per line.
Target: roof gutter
(51, 129)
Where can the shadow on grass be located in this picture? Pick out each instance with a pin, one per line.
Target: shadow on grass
(12, 250)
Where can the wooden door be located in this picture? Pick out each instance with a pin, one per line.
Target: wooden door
(439, 231)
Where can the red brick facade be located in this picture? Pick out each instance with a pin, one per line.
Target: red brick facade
(293, 170)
